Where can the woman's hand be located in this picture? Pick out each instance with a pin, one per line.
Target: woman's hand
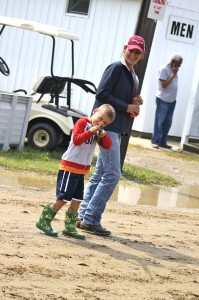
(133, 110)
(138, 99)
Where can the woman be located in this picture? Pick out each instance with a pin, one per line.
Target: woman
(118, 87)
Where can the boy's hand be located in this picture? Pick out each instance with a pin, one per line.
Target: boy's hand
(94, 129)
(101, 133)
(98, 130)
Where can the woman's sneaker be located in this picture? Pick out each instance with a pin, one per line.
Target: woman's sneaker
(95, 229)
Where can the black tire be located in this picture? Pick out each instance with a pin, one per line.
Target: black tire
(43, 136)
(4, 67)
(65, 141)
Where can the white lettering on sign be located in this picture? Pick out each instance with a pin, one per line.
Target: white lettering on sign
(181, 30)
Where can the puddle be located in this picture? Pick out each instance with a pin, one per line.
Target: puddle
(183, 197)
(27, 180)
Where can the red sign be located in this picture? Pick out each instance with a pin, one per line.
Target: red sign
(157, 9)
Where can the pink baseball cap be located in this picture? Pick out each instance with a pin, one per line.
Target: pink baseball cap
(136, 42)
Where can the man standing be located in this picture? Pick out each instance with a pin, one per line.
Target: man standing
(166, 101)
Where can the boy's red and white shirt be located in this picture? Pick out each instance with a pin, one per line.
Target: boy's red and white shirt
(78, 157)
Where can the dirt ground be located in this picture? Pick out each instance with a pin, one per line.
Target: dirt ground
(152, 254)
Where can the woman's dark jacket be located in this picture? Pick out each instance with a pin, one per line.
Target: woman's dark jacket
(116, 88)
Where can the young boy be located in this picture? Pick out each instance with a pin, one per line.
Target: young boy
(75, 162)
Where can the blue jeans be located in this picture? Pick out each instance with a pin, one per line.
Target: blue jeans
(163, 121)
(102, 183)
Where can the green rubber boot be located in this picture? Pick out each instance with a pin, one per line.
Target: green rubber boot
(46, 218)
(70, 226)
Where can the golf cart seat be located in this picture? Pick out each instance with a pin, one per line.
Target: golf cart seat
(54, 86)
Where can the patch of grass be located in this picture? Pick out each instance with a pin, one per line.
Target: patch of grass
(179, 154)
(189, 156)
(45, 162)
(30, 159)
(146, 176)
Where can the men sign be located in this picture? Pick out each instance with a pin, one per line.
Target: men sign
(181, 30)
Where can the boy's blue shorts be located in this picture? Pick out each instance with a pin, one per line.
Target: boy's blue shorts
(69, 186)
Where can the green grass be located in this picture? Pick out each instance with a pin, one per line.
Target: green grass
(147, 177)
(189, 156)
(29, 159)
(179, 154)
(47, 163)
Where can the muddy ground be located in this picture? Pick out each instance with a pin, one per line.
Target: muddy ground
(152, 254)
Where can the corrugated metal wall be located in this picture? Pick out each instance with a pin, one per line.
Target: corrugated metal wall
(161, 51)
(102, 34)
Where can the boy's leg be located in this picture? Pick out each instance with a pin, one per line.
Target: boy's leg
(57, 205)
(70, 221)
(70, 187)
(45, 220)
(48, 215)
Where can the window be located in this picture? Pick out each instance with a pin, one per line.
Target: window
(80, 7)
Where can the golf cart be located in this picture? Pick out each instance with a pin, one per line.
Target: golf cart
(50, 124)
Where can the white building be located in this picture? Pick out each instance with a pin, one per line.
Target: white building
(184, 39)
(104, 26)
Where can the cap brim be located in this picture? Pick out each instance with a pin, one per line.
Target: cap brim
(131, 47)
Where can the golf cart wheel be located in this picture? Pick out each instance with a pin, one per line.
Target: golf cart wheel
(43, 136)
(4, 67)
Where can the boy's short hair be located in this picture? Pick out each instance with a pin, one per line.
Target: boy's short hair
(109, 110)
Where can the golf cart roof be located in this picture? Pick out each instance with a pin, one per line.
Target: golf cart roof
(38, 27)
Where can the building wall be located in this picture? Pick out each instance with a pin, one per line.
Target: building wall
(102, 35)
(161, 50)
